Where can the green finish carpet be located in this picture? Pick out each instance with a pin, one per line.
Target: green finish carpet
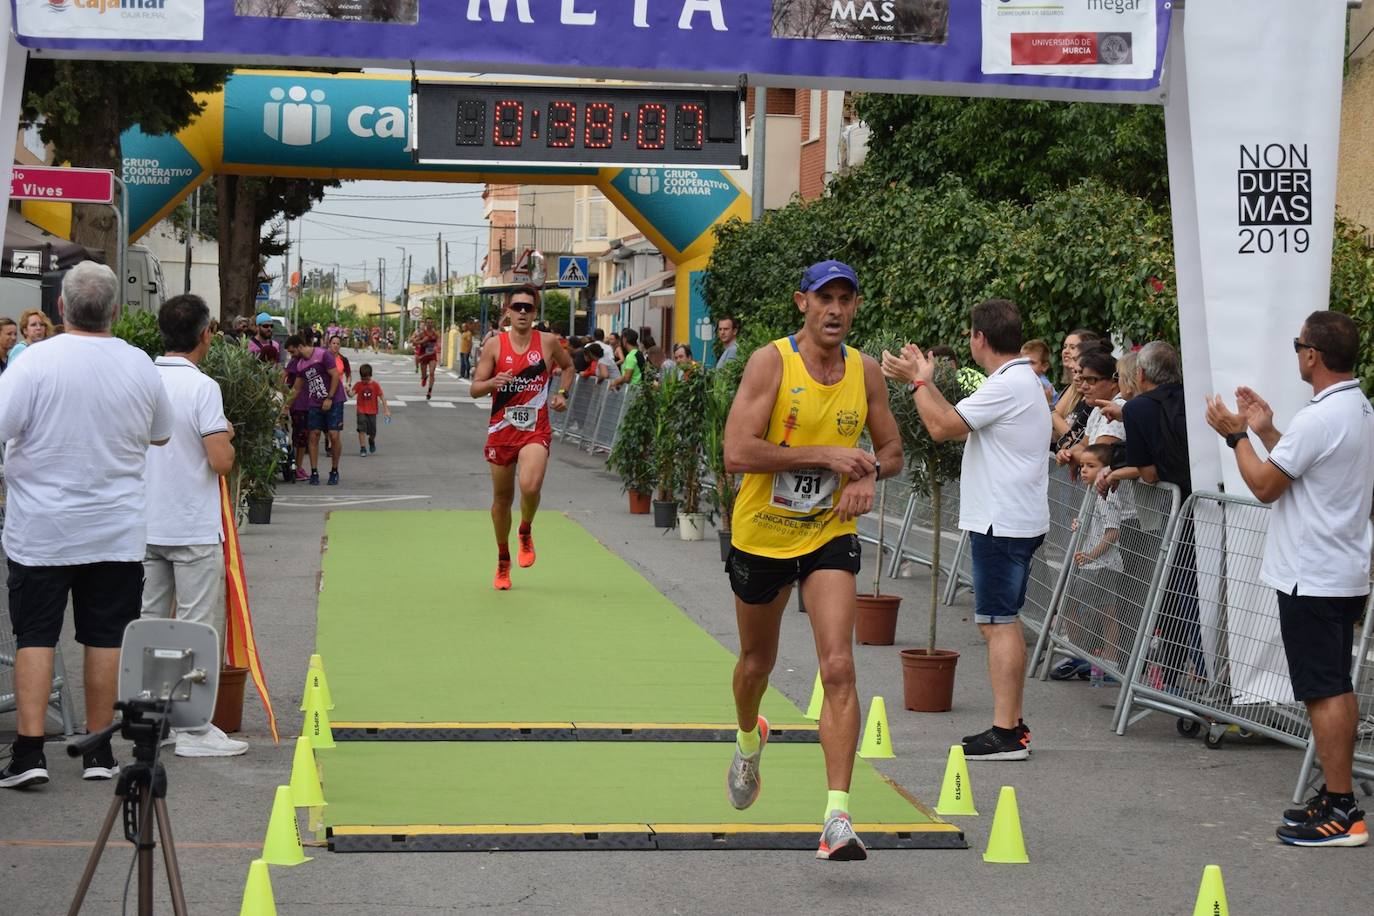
(411, 630)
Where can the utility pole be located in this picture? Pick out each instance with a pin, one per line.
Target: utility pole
(405, 292)
(381, 294)
(192, 224)
(405, 299)
(448, 281)
(286, 280)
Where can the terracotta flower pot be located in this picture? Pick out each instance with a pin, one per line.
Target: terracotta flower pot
(928, 679)
(639, 502)
(229, 700)
(876, 622)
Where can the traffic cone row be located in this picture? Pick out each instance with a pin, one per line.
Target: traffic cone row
(282, 845)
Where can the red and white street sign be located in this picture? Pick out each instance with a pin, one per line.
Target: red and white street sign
(77, 186)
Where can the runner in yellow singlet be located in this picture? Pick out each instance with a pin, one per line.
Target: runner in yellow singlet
(793, 433)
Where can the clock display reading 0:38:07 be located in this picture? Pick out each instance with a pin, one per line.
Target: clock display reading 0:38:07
(591, 125)
(577, 125)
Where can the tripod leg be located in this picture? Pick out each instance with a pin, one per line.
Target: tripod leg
(169, 855)
(145, 852)
(94, 860)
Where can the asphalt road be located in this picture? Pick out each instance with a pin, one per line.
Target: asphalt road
(1113, 825)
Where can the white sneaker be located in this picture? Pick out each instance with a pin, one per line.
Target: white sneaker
(210, 743)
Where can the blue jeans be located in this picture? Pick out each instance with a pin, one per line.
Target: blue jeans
(1001, 574)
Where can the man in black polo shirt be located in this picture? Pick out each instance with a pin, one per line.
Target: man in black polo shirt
(1157, 451)
(1319, 476)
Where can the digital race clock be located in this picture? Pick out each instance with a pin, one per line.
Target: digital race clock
(576, 125)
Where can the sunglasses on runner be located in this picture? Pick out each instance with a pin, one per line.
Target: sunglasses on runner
(522, 306)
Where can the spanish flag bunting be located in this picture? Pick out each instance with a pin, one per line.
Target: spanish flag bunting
(240, 648)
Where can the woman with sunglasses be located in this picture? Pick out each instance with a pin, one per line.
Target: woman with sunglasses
(515, 369)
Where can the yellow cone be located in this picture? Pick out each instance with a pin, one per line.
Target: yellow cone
(316, 725)
(1211, 897)
(283, 843)
(956, 795)
(877, 741)
(257, 893)
(305, 778)
(813, 709)
(1006, 846)
(314, 676)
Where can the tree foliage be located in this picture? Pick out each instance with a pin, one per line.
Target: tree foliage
(83, 107)
(244, 205)
(1011, 149)
(1086, 254)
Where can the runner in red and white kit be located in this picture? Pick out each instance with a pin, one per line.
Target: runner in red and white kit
(427, 355)
(516, 369)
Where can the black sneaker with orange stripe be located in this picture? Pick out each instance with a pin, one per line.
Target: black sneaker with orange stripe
(999, 744)
(1337, 822)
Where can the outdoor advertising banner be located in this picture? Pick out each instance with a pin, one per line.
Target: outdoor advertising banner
(1262, 110)
(1037, 48)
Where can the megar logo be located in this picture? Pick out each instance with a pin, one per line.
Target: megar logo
(57, 6)
(299, 117)
(136, 8)
(645, 181)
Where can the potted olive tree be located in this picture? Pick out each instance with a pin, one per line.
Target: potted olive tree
(253, 393)
(632, 455)
(928, 673)
(690, 395)
(721, 386)
(667, 451)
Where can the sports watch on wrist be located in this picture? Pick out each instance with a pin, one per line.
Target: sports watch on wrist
(1234, 439)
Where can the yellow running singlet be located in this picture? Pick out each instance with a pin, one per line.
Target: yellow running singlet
(790, 513)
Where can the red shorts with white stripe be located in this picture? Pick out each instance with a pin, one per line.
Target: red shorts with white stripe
(506, 452)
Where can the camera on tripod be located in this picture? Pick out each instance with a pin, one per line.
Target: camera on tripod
(168, 675)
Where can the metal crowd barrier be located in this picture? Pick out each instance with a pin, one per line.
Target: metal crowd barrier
(1210, 651)
(59, 694)
(613, 404)
(1099, 608)
(1050, 565)
(583, 407)
(1362, 676)
(899, 497)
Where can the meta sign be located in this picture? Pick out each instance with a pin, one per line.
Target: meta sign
(466, 124)
(1105, 50)
(73, 186)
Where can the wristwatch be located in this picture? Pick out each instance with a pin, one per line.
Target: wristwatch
(914, 386)
(562, 392)
(1234, 439)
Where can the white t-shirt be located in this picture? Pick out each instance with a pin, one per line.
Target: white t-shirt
(183, 492)
(78, 414)
(607, 361)
(1099, 424)
(1004, 485)
(1105, 516)
(1319, 531)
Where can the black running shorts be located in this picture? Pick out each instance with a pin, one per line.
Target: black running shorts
(106, 597)
(758, 580)
(1318, 638)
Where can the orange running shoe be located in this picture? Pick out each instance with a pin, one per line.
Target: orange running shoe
(502, 581)
(525, 556)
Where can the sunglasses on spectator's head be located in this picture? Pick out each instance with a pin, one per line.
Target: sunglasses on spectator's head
(1299, 346)
(522, 306)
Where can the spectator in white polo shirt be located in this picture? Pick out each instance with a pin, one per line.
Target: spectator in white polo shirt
(183, 569)
(1320, 476)
(1003, 498)
(78, 415)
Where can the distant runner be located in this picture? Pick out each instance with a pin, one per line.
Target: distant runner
(515, 368)
(427, 355)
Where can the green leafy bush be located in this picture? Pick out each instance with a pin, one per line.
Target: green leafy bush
(632, 456)
(139, 329)
(254, 393)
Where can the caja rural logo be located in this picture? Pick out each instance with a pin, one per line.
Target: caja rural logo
(153, 8)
